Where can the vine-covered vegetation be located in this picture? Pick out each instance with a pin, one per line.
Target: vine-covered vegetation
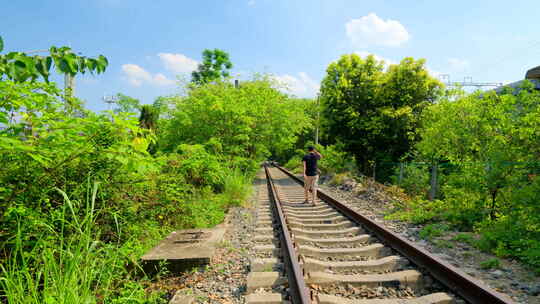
(83, 195)
(477, 153)
(487, 148)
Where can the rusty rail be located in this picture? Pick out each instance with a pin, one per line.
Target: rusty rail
(456, 280)
(299, 292)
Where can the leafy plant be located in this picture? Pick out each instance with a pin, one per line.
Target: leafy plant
(490, 264)
(20, 66)
(433, 230)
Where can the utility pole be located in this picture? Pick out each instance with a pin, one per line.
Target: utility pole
(109, 100)
(318, 117)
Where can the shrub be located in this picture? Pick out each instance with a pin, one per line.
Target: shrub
(433, 230)
(491, 263)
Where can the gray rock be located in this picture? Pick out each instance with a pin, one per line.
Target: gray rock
(534, 290)
(497, 273)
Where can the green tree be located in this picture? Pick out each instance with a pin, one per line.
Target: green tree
(126, 104)
(349, 98)
(491, 145)
(251, 122)
(375, 113)
(215, 66)
(149, 117)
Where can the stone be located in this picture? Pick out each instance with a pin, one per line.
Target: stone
(184, 249)
(182, 299)
(497, 273)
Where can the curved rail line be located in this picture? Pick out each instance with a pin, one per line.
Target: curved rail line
(299, 268)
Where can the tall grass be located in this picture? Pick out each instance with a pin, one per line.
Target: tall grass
(237, 187)
(68, 263)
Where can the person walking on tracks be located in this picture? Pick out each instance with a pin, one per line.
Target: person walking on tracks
(311, 173)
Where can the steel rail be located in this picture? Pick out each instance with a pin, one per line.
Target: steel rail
(299, 292)
(453, 278)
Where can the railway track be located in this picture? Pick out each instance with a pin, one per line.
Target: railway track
(328, 254)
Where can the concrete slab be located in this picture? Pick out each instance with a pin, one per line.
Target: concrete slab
(182, 299)
(183, 249)
(264, 298)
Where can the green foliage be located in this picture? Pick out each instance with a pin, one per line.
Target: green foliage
(237, 187)
(340, 178)
(214, 67)
(464, 238)
(335, 160)
(149, 117)
(375, 113)
(490, 264)
(69, 263)
(420, 211)
(19, 66)
(251, 122)
(126, 104)
(43, 147)
(416, 178)
(489, 144)
(443, 244)
(433, 230)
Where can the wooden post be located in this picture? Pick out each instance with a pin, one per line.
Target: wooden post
(236, 84)
(400, 178)
(433, 189)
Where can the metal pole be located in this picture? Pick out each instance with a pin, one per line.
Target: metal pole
(317, 126)
(433, 189)
(400, 179)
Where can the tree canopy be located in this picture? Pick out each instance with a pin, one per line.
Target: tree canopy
(215, 65)
(374, 112)
(126, 104)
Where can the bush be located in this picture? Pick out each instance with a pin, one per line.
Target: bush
(335, 160)
(491, 263)
(415, 180)
(420, 211)
(433, 230)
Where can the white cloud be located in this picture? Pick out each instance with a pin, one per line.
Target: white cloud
(136, 76)
(178, 63)
(251, 2)
(301, 86)
(162, 80)
(457, 64)
(372, 30)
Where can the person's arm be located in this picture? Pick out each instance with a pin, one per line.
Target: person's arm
(304, 162)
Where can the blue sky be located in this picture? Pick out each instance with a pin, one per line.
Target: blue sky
(149, 43)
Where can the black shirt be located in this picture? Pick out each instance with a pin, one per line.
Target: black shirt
(311, 163)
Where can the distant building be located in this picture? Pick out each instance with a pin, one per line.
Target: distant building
(532, 75)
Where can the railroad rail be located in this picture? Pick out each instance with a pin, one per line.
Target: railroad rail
(328, 253)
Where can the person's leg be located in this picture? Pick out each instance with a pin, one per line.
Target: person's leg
(306, 189)
(314, 188)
